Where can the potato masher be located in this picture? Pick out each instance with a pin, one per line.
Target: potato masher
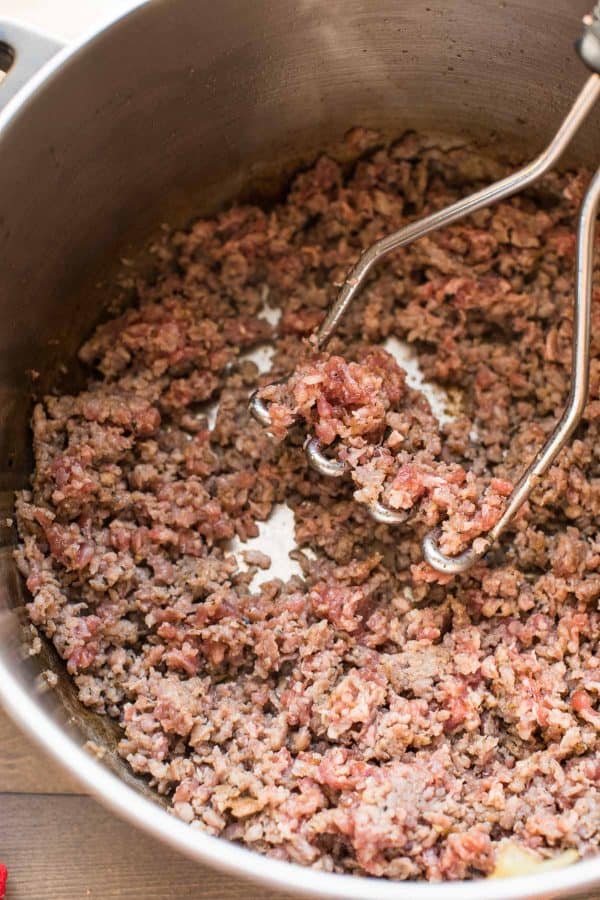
(588, 47)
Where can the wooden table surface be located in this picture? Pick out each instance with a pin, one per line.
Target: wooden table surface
(61, 845)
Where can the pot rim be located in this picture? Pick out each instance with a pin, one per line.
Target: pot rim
(151, 818)
(133, 807)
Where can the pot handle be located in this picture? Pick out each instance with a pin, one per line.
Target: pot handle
(22, 52)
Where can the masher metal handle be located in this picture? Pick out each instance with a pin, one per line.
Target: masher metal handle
(588, 45)
(580, 377)
(514, 183)
(589, 49)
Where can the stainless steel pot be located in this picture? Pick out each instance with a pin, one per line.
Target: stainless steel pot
(179, 107)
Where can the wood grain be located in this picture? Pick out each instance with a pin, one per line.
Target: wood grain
(25, 769)
(69, 848)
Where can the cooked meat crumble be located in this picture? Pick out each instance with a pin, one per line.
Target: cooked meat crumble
(365, 717)
(390, 442)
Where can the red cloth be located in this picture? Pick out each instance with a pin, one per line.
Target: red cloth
(3, 880)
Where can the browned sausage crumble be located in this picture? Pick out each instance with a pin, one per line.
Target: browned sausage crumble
(389, 440)
(364, 718)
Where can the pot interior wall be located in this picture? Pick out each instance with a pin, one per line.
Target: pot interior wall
(186, 105)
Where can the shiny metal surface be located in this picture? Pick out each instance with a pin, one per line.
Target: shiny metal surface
(321, 463)
(259, 409)
(588, 46)
(386, 515)
(177, 109)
